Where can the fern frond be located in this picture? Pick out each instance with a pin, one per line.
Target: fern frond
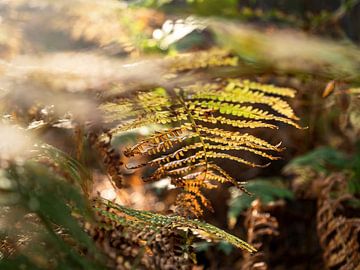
(260, 225)
(160, 141)
(128, 237)
(118, 111)
(110, 158)
(206, 59)
(239, 148)
(266, 88)
(180, 162)
(178, 153)
(189, 145)
(63, 165)
(237, 138)
(217, 155)
(144, 219)
(234, 123)
(338, 237)
(242, 111)
(187, 204)
(245, 94)
(186, 169)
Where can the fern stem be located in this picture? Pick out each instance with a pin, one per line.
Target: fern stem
(196, 130)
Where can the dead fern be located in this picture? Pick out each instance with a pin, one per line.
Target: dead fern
(260, 226)
(338, 235)
(196, 128)
(110, 157)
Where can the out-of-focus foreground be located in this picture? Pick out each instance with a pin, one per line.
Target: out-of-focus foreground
(138, 134)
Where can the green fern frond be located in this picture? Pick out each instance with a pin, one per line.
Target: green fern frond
(190, 143)
(242, 111)
(63, 164)
(145, 219)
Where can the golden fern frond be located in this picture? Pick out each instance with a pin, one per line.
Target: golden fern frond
(217, 155)
(251, 93)
(266, 88)
(238, 148)
(189, 143)
(188, 203)
(160, 141)
(234, 123)
(338, 235)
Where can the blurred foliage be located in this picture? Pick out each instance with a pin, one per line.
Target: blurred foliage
(271, 51)
(327, 160)
(52, 236)
(320, 159)
(267, 191)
